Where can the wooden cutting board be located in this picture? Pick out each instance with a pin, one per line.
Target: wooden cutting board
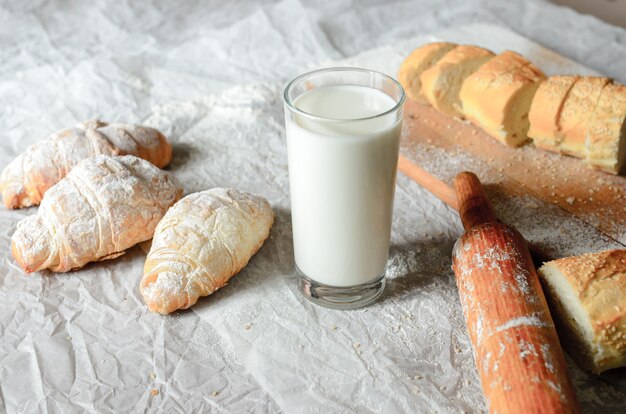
(444, 146)
(432, 139)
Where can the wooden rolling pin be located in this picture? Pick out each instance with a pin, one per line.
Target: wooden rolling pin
(518, 356)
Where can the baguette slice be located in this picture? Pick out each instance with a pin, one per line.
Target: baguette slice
(442, 81)
(497, 96)
(545, 111)
(417, 62)
(588, 295)
(578, 110)
(606, 134)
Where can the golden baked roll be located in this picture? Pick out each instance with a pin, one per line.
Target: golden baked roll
(442, 81)
(578, 110)
(25, 180)
(203, 240)
(498, 95)
(545, 111)
(417, 62)
(588, 297)
(104, 206)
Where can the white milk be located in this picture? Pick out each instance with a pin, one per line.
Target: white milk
(342, 179)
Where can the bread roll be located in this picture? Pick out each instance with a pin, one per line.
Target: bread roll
(203, 240)
(417, 62)
(442, 81)
(104, 206)
(606, 132)
(497, 96)
(588, 295)
(578, 110)
(545, 111)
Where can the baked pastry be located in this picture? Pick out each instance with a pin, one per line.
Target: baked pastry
(588, 296)
(578, 110)
(606, 132)
(417, 62)
(101, 208)
(497, 96)
(203, 240)
(545, 111)
(25, 180)
(442, 81)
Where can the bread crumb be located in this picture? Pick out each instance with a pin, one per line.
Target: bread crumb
(154, 392)
(417, 377)
(570, 200)
(215, 393)
(69, 338)
(247, 326)
(152, 375)
(333, 328)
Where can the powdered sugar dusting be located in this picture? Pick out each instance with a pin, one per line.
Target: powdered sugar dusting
(103, 206)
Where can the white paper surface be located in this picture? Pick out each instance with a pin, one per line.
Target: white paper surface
(211, 78)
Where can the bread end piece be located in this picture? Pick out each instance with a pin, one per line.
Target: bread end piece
(30, 245)
(587, 294)
(140, 141)
(417, 62)
(497, 97)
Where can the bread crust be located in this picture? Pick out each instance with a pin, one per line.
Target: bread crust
(442, 81)
(545, 110)
(605, 139)
(203, 240)
(499, 93)
(578, 110)
(598, 283)
(25, 180)
(417, 62)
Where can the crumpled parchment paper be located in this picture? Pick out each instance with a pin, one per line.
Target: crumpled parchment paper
(211, 78)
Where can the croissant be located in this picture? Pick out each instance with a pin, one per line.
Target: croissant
(202, 241)
(101, 208)
(25, 180)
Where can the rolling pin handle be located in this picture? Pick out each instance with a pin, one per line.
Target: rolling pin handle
(474, 206)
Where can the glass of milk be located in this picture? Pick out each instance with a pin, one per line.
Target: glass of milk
(343, 132)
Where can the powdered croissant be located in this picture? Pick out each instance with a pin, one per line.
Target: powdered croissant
(25, 180)
(101, 208)
(202, 241)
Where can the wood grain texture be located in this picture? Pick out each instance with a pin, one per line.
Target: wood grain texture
(593, 196)
(516, 348)
(474, 206)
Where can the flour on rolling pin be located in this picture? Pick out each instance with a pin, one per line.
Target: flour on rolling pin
(515, 344)
(517, 352)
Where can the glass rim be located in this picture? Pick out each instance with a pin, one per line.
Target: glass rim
(297, 110)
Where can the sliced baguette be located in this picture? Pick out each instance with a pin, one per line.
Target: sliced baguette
(442, 81)
(578, 110)
(545, 111)
(417, 62)
(588, 296)
(605, 139)
(497, 96)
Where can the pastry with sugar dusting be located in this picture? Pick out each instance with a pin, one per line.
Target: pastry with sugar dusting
(25, 180)
(104, 206)
(203, 240)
